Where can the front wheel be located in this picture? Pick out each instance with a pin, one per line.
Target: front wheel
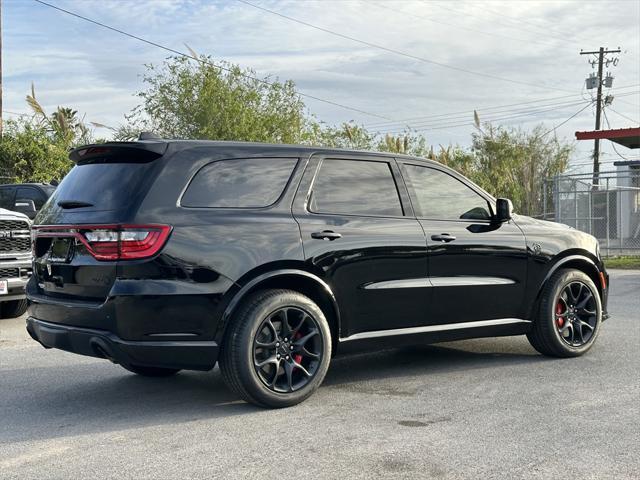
(277, 349)
(569, 315)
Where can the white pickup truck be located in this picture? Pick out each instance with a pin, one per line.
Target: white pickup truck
(15, 262)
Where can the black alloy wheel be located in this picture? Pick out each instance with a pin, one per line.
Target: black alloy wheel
(568, 315)
(287, 349)
(277, 348)
(576, 314)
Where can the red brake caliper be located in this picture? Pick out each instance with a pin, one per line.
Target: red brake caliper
(298, 357)
(560, 320)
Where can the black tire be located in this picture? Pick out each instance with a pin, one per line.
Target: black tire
(13, 308)
(238, 359)
(151, 371)
(547, 335)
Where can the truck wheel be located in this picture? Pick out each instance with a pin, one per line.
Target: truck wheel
(13, 308)
(569, 315)
(277, 349)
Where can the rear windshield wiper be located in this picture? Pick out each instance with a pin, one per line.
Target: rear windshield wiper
(74, 204)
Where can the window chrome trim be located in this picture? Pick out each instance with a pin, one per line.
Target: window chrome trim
(435, 328)
(459, 281)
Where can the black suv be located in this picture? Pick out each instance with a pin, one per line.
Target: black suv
(269, 259)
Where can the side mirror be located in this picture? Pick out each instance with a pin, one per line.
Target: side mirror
(25, 206)
(504, 210)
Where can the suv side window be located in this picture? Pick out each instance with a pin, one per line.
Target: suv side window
(239, 183)
(440, 196)
(28, 193)
(6, 197)
(355, 187)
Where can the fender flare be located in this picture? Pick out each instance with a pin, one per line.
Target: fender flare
(570, 258)
(254, 282)
(564, 260)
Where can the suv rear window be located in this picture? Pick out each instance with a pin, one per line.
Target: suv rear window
(104, 186)
(239, 183)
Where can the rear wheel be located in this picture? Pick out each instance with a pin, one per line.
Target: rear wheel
(151, 371)
(277, 349)
(569, 315)
(13, 308)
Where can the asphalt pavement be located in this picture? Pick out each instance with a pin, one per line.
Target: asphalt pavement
(486, 408)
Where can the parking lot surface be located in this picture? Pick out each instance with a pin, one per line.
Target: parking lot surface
(487, 408)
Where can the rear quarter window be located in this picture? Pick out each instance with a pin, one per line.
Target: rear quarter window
(239, 183)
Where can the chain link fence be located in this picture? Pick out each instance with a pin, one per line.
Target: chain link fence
(610, 210)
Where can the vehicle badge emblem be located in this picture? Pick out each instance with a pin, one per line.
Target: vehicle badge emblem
(537, 248)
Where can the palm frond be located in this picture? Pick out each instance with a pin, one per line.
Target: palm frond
(34, 104)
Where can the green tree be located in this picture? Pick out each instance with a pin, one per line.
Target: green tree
(28, 153)
(407, 143)
(463, 161)
(348, 135)
(63, 125)
(197, 100)
(513, 163)
(37, 149)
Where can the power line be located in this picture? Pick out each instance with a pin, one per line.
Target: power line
(460, 112)
(398, 52)
(622, 115)
(461, 27)
(202, 60)
(546, 30)
(553, 129)
(16, 113)
(606, 119)
(493, 119)
(441, 119)
(562, 123)
(484, 109)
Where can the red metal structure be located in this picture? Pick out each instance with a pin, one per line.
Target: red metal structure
(629, 137)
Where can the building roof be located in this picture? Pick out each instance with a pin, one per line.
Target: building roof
(629, 137)
(627, 163)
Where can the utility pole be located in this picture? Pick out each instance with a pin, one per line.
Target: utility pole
(601, 53)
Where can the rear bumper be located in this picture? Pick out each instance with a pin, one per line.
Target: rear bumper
(189, 355)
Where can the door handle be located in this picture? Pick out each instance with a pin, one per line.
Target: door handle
(326, 235)
(443, 237)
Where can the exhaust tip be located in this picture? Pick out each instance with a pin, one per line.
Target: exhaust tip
(101, 349)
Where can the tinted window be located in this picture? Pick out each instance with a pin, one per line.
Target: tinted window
(6, 197)
(355, 187)
(438, 195)
(106, 186)
(239, 183)
(31, 194)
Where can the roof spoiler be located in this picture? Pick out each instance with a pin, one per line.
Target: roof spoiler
(119, 152)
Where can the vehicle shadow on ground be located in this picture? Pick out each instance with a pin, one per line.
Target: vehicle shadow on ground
(431, 359)
(99, 397)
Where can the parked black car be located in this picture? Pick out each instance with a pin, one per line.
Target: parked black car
(269, 259)
(26, 198)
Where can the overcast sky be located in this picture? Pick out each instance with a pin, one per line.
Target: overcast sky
(532, 46)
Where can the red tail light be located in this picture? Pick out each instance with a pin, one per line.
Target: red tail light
(112, 242)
